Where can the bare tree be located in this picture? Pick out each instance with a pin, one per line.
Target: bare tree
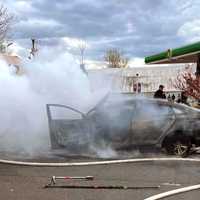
(5, 20)
(116, 59)
(82, 48)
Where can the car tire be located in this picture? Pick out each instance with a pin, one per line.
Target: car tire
(179, 146)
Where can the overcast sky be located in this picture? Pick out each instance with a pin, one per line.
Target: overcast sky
(136, 27)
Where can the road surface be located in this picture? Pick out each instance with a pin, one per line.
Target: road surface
(26, 182)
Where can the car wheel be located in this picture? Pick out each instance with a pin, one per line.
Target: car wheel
(179, 146)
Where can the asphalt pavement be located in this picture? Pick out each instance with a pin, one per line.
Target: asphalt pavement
(27, 182)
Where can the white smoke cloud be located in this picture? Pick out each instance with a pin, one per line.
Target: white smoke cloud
(49, 78)
(54, 77)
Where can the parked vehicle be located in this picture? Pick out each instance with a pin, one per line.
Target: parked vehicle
(124, 121)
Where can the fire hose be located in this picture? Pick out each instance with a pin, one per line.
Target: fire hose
(118, 187)
(136, 160)
(173, 192)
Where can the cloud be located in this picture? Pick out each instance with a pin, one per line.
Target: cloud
(139, 27)
(36, 27)
(136, 62)
(190, 30)
(75, 43)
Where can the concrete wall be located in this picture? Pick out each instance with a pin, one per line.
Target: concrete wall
(149, 77)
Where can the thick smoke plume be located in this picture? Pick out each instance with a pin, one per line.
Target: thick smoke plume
(53, 77)
(49, 78)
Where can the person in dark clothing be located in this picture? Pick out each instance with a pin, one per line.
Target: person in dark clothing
(184, 98)
(169, 97)
(179, 98)
(173, 97)
(159, 93)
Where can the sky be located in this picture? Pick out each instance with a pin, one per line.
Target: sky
(137, 28)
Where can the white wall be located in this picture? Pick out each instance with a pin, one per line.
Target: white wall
(150, 77)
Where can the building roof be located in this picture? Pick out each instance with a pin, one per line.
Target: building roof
(184, 54)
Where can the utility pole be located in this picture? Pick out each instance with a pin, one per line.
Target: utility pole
(33, 49)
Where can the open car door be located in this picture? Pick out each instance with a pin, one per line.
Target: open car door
(68, 127)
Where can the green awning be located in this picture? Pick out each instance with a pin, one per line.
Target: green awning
(185, 54)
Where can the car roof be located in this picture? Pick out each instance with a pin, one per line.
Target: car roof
(119, 98)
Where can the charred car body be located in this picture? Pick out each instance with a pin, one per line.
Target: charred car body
(125, 122)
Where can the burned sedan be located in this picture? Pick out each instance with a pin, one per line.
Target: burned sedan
(125, 122)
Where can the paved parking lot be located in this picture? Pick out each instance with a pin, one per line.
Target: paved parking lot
(26, 182)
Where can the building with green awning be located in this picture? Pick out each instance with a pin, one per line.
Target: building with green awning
(185, 54)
